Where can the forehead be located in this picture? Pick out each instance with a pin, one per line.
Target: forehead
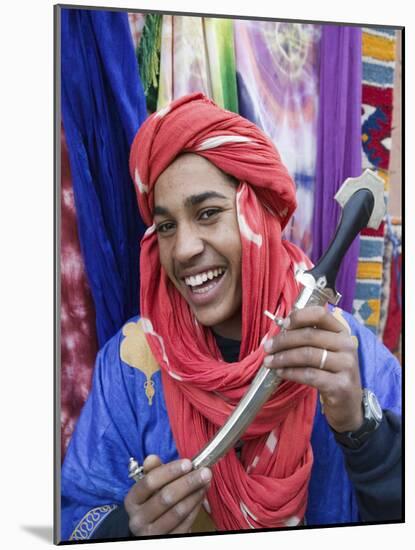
(190, 174)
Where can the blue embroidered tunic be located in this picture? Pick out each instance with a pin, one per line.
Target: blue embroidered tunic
(125, 415)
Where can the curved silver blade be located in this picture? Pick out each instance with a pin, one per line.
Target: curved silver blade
(259, 392)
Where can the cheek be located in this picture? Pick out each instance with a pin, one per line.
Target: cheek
(165, 257)
(235, 246)
(231, 248)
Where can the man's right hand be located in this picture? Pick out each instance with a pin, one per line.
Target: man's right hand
(167, 499)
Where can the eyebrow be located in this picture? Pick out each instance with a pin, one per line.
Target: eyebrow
(192, 200)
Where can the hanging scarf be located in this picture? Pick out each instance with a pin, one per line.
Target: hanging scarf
(267, 485)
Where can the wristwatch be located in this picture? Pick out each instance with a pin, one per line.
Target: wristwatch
(372, 414)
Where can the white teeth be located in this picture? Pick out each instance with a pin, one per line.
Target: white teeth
(200, 278)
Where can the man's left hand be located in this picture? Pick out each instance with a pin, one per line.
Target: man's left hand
(298, 352)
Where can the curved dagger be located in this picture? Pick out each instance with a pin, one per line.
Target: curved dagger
(363, 206)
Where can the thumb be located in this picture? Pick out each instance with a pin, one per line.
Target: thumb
(151, 462)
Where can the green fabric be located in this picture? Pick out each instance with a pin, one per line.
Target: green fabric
(148, 55)
(220, 42)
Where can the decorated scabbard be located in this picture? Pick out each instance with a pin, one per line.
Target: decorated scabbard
(362, 201)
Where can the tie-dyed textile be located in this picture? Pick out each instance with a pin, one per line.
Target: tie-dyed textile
(78, 335)
(378, 50)
(339, 153)
(278, 89)
(197, 56)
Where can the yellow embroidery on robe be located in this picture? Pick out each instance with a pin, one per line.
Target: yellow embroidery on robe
(135, 351)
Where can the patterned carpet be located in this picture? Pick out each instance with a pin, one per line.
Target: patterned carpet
(378, 49)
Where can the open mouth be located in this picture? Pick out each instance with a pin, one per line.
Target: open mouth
(202, 283)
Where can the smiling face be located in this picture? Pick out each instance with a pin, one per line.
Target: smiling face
(199, 240)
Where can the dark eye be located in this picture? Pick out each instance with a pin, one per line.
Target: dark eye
(208, 213)
(164, 227)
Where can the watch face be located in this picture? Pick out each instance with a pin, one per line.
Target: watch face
(374, 406)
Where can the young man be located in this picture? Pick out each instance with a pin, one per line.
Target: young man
(216, 197)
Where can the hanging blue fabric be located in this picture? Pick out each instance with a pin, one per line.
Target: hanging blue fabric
(103, 105)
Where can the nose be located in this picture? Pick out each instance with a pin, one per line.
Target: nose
(188, 244)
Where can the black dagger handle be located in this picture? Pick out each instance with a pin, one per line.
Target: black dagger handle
(355, 217)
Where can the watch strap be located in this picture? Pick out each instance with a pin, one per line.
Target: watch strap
(372, 420)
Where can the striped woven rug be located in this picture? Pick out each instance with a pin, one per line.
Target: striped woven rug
(378, 50)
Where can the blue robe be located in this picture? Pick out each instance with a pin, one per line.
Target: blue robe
(118, 422)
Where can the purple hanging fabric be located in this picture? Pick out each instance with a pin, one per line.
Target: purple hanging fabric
(339, 137)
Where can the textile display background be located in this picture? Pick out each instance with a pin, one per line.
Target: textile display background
(378, 50)
(197, 55)
(78, 335)
(339, 143)
(102, 107)
(136, 22)
(280, 94)
(390, 326)
(267, 71)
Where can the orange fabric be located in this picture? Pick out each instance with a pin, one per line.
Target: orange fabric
(267, 487)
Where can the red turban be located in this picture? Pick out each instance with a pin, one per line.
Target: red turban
(266, 486)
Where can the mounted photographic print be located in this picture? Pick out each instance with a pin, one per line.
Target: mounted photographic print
(229, 274)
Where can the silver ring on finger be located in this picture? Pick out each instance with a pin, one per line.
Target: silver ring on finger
(323, 359)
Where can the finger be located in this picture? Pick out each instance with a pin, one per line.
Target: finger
(186, 526)
(169, 496)
(313, 337)
(308, 356)
(155, 480)
(175, 492)
(180, 517)
(313, 316)
(321, 380)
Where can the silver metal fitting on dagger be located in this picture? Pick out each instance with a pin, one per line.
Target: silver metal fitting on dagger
(135, 471)
(314, 293)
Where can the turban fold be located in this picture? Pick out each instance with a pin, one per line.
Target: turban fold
(266, 486)
(194, 124)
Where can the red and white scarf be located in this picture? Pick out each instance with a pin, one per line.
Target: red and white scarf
(267, 486)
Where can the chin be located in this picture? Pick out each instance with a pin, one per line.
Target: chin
(209, 319)
(228, 325)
